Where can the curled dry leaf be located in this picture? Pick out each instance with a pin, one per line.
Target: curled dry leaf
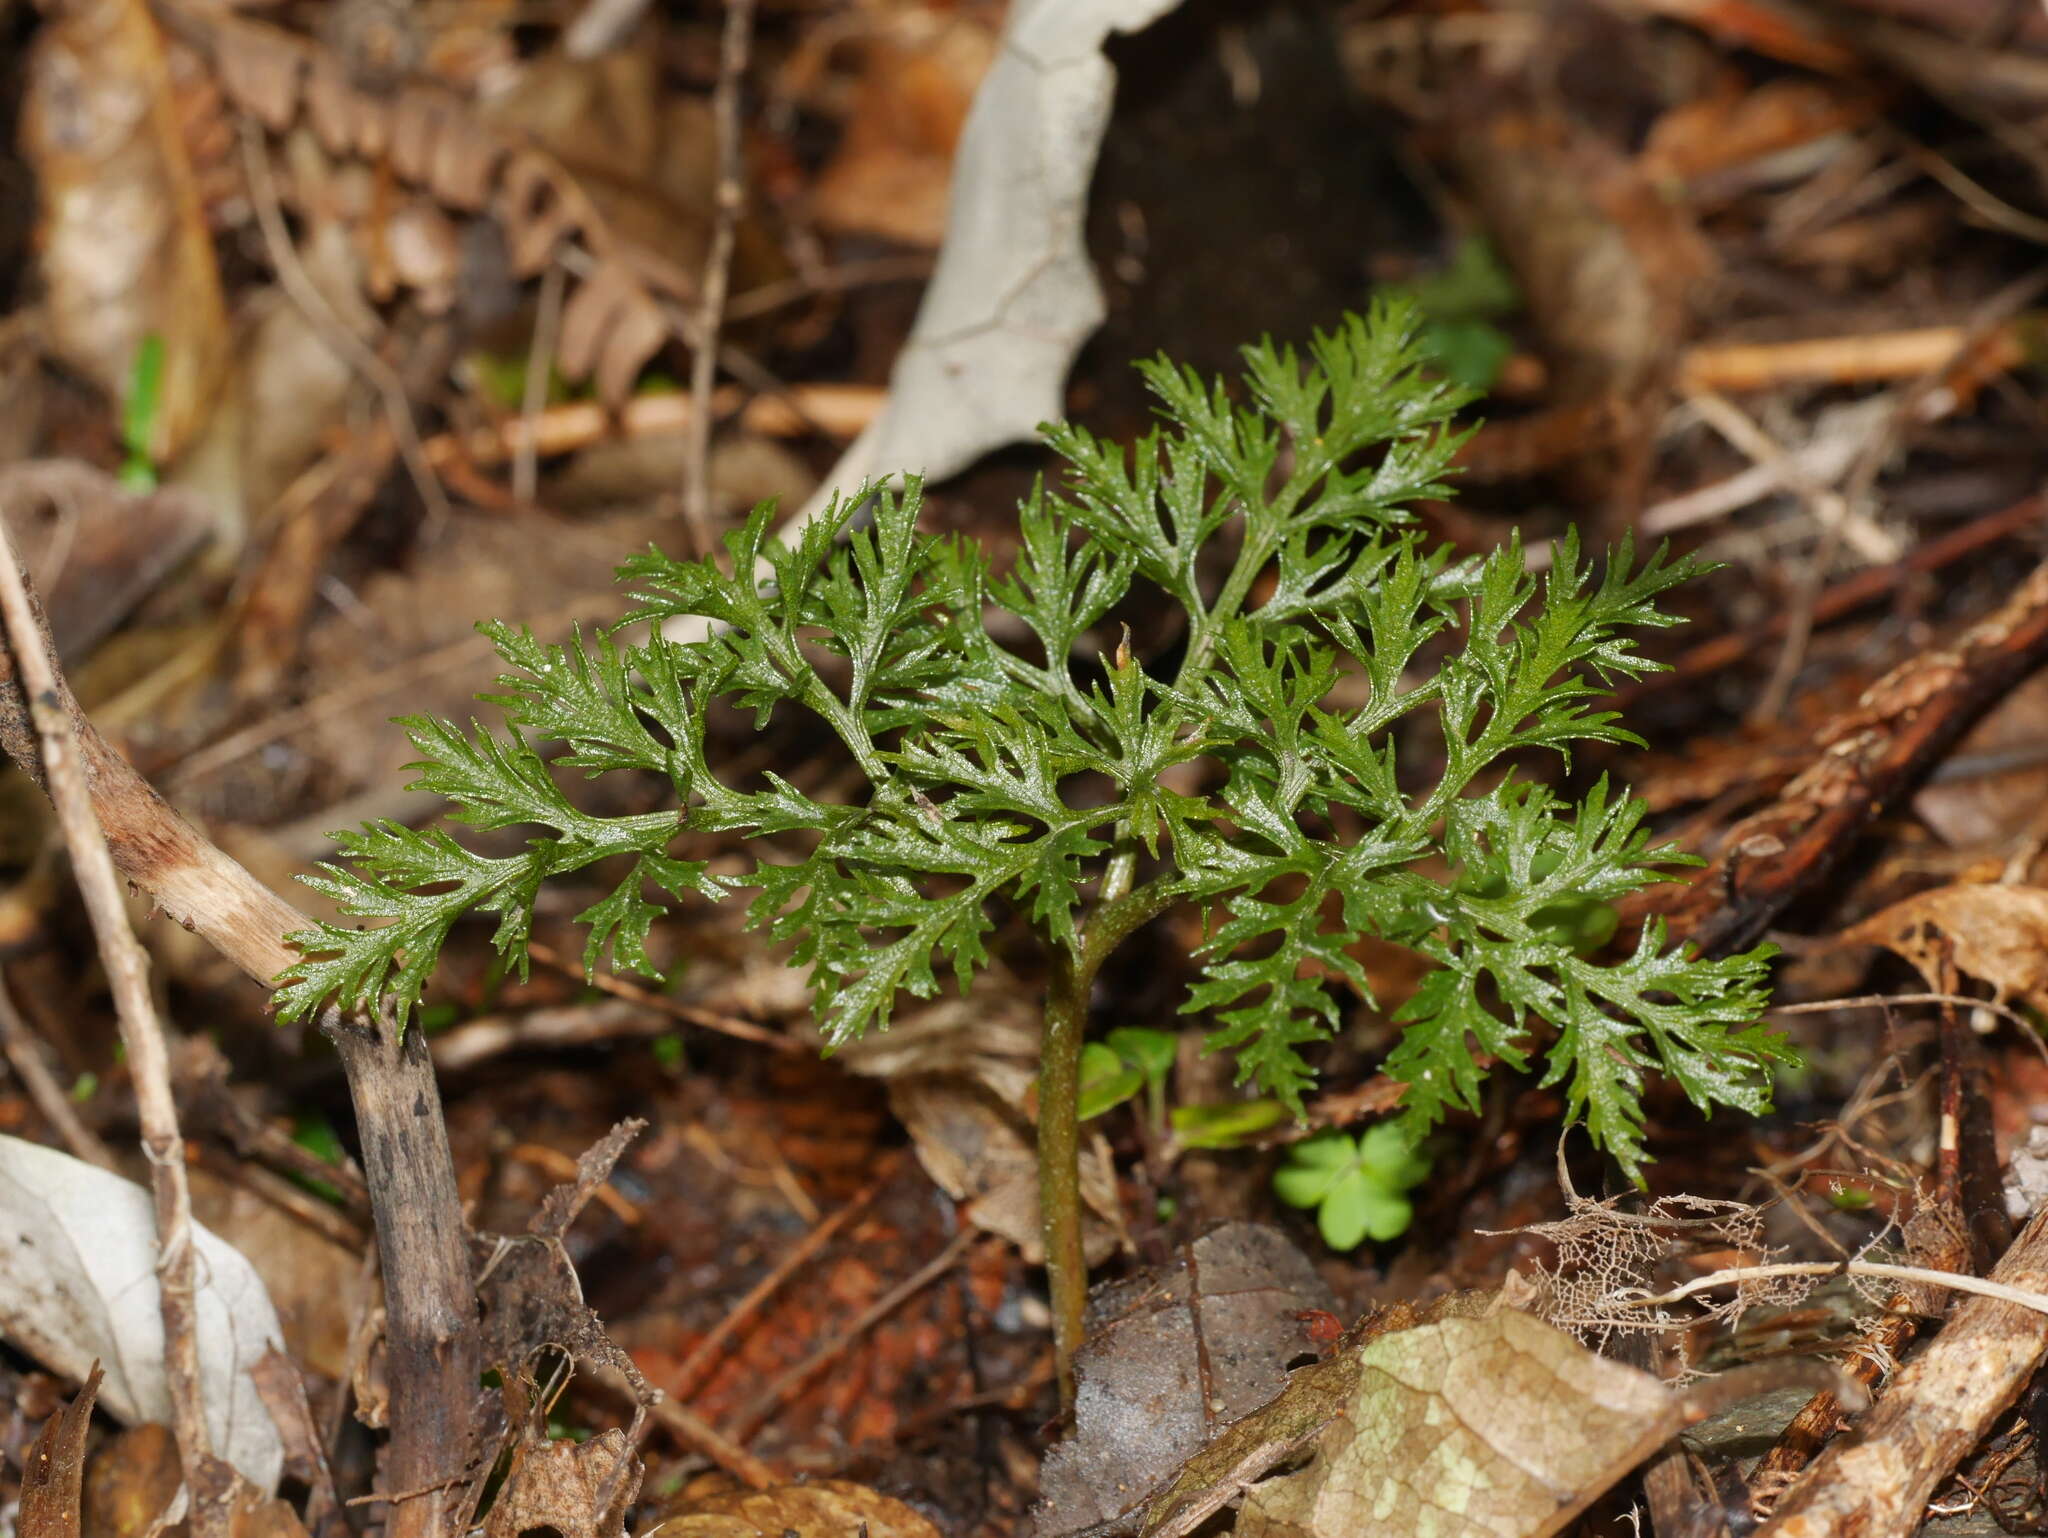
(1014, 295)
(1993, 932)
(960, 1074)
(1170, 1359)
(125, 251)
(78, 1257)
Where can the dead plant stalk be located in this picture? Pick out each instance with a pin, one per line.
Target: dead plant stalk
(142, 1035)
(431, 1326)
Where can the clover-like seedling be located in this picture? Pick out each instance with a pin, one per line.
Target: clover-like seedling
(1330, 708)
(1357, 1185)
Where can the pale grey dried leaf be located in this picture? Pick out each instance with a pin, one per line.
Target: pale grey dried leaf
(78, 1285)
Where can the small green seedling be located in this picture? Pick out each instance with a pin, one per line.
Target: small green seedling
(1461, 305)
(1356, 1185)
(315, 1133)
(1129, 1059)
(139, 414)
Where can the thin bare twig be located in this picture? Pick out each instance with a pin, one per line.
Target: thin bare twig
(725, 113)
(431, 1326)
(701, 1356)
(1983, 1287)
(540, 358)
(675, 1009)
(149, 1062)
(334, 331)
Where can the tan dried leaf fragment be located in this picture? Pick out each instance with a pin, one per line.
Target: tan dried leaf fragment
(1495, 1427)
(823, 1508)
(123, 243)
(563, 1486)
(1998, 933)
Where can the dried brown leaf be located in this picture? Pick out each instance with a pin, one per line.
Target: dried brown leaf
(1997, 933)
(94, 548)
(1496, 1427)
(435, 141)
(52, 1473)
(611, 326)
(821, 1508)
(125, 250)
(561, 1487)
(960, 1074)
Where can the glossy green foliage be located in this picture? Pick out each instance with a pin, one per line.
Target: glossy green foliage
(1014, 758)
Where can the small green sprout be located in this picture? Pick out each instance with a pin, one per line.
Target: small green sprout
(1131, 1058)
(139, 415)
(315, 1133)
(1462, 303)
(1356, 1185)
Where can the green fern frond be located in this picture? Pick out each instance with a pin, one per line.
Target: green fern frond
(1012, 755)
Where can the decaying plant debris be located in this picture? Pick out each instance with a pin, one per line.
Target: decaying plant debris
(330, 330)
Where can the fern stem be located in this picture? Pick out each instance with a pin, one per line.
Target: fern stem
(1059, 1113)
(1059, 1163)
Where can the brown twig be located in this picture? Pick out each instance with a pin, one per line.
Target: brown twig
(149, 1061)
(693, 1431)
(675, 1009)
(431, 1326)
(332, 329)
(1902, 726)
(725, 114)
(1939, 1407)
(540, 358)
(1847, 596)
